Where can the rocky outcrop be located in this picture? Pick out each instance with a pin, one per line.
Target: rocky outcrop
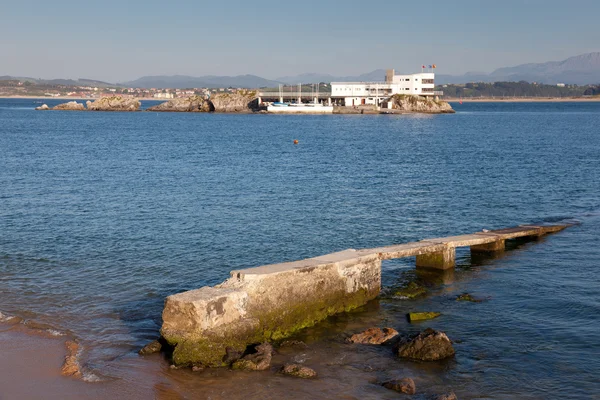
(43, 107)
(373, 336)
(242, 101)
(114, 103)
(410, 291)
(404, 385)
(298, 370)
(70, 106)
(428, 345)
(189, 104)
(467, 297)
(260, 360)
(420, 104)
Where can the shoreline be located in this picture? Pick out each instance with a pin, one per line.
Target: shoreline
(448, 99)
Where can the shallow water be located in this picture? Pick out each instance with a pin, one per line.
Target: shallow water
(102, 215)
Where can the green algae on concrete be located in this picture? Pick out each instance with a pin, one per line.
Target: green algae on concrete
(422, 316)
(266, 304)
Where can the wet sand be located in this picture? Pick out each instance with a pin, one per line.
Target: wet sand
(30, 368)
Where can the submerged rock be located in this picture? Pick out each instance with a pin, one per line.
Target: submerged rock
(70, 106)
(151, 348)
(293, 343)
(422, 316)
(71, 366)
(404, 385)
(429, 345)
(258, 361)
(421, 104)
(447, 396)
(298, 370)
(410, 291)
(189, 104)
(43, 107)
(373, 336)
(242, 101)
(467, 297)
(114, 103)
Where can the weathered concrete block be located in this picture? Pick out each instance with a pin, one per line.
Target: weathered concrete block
(493, 247)
(266, 303)
(440, 260)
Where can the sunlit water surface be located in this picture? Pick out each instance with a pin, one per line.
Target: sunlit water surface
(103, 215)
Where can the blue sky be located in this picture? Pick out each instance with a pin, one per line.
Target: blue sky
(121, 40)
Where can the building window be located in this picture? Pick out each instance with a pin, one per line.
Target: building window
(427, 81)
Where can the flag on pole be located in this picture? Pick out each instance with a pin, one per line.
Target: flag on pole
(434, 66)
(422, 66)
(430, 66)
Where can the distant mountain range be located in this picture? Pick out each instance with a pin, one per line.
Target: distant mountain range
(581, 70)
(66, 82)
(209, 81)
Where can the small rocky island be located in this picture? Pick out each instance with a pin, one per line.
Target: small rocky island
(111, 103)
(247, 101)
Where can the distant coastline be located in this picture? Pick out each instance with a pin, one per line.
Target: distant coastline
(448, 99)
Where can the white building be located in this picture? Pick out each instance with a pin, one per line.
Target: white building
(357, 93)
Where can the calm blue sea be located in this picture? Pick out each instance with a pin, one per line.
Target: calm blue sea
(103, 215)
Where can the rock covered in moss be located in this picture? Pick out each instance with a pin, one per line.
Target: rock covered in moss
(410, 291)
(242, 101)
(422, 316)
(429, 345)
(259, 360)
(188, 104)
(373, 336)
(70, 106)
(114, 103)
(404, 385)
(298, 370)
(151, 348)
(467, 297)
(423, 104)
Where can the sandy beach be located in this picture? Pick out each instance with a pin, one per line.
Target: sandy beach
(30, 368)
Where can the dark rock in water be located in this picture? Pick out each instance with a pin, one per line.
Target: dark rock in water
(429, 345)
(258, 361)
(447, 396)
(373, 336)
(410, 291)
(151, 348)
(242, 101)
(293, 343)
(43, 107)
(404, 385)
(298, 370)
(114, 103)
(467, 297)
(70, 106)
(189, 104)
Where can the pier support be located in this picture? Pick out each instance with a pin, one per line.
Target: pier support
(492, 247)
(439, 260)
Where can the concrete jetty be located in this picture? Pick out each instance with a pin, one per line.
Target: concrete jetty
(272, 302)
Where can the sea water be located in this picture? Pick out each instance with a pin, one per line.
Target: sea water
(103, 215)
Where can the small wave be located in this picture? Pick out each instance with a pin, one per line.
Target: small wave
(6, 317)
(56, 333)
